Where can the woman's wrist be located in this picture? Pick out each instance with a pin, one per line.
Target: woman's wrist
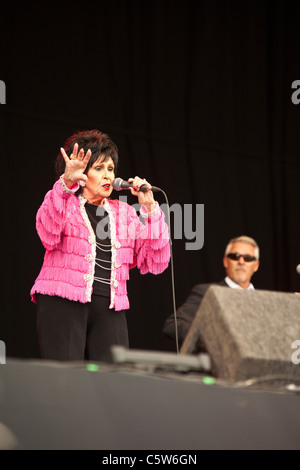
(148, 213)
(68, 182)
(67, 185)
(149, 206)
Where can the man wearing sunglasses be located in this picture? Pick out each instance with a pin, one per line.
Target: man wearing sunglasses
(241, 261)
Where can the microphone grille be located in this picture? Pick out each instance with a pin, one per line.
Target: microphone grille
(117, 182)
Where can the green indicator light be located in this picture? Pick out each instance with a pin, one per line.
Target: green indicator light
(208, 381)
(92, 367)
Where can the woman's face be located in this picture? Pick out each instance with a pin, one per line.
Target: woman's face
(100, 179)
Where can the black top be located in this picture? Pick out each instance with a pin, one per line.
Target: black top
(99, 220)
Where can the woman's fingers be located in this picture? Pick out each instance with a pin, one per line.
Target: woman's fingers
(137, 182)
(80, 154)
(65, 156)
(76, 164)
(87, 156)
(77, 156)
(74, 153)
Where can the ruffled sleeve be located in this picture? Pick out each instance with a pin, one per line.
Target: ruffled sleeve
(152, 246)
(51, 216)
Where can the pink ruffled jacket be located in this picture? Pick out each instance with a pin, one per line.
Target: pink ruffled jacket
(69, 263)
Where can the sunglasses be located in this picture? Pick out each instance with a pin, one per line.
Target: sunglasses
(237, 256)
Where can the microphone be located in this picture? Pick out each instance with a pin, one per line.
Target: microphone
(119, 184)
(298, 269)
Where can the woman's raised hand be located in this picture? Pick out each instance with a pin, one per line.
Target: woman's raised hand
(75, 165)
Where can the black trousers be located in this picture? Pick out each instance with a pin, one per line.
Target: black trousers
(73, 331)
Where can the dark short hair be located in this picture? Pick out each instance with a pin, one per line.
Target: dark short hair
(96, 141)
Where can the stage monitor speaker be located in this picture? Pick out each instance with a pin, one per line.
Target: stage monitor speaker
(96, 406)
(248, 333)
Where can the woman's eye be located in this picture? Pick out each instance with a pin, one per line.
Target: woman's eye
(99, 168)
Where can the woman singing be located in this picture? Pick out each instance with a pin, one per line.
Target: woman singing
(91, 243)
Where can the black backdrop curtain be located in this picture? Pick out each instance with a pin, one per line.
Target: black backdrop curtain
(197, 96)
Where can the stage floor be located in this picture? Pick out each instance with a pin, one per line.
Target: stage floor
(82, 406)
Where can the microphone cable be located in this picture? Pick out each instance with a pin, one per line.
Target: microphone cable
(172, 266)
(117, 187)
